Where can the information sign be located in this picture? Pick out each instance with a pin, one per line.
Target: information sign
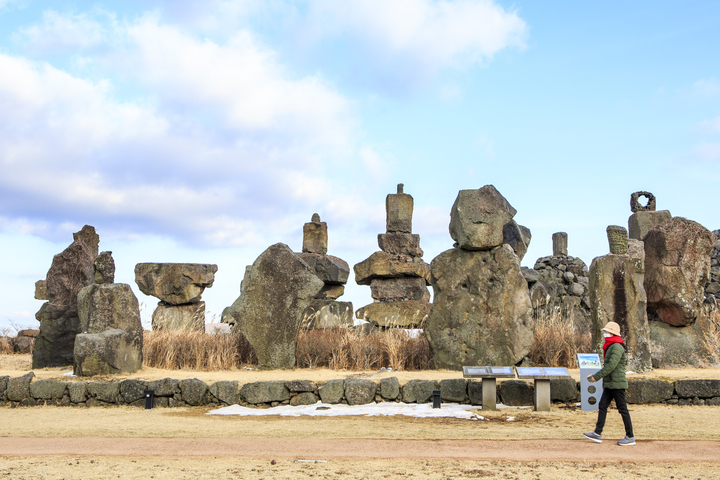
(590, 393)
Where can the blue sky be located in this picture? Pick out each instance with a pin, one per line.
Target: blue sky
(204, 132)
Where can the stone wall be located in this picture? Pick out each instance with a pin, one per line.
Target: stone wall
(23, 391)
(561, 282)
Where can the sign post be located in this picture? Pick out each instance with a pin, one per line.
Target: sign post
(590, 393)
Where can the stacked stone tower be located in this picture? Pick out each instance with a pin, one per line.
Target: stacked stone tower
(179, 287)
(324, 310)
(397, 275)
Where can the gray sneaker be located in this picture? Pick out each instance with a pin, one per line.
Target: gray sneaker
(626, 441)
(593, 436)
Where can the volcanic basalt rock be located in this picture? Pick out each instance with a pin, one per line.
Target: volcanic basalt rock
(179, 286)
(112, 336)
(279, 288)
(677, 266)
(324, 310)
(645, 217)
(71, 270)
(560, 284)
(481, 313)
(617, 295)
(397, 275)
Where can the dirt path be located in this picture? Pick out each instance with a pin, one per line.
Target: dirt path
(580, 450)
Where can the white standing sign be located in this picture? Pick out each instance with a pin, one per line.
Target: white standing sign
(590, 393)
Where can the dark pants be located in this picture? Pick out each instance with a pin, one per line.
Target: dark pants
(610, 394)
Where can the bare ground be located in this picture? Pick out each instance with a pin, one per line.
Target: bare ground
(123, 442)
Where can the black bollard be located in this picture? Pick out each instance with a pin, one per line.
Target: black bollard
(149, 399)
(436, 399)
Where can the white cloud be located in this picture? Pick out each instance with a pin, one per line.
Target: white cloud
(707, 151)
(710, 126)
(62, 32)
(221, 146)
(706, 87)
(426, 35)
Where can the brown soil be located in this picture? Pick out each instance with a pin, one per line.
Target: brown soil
(124, 442)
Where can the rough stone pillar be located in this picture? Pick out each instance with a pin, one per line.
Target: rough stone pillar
(399, 208)
(617, 294)
(315, 236)
(560, 242)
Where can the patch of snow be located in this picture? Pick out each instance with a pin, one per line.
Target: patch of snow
(68, 374)
(319, 409)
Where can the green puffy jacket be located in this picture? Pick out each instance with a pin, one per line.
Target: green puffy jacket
(613, 370)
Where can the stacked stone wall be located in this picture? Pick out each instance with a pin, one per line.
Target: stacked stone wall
(561, 283)
(168, 392)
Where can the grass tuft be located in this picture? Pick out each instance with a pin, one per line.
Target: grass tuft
(557, 340)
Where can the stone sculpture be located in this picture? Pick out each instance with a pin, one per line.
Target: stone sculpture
(560, 283)
(109, 312)
(397, 275)
(71, 270)
(560, 244)
(645, 217)
(481, 314)
(179, 286)
(617, 294)
(677, 266)
(324, 310)
(712, 288)
(277, 289)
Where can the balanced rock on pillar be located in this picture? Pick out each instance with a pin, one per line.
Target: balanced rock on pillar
(179, 286)
(397, 275)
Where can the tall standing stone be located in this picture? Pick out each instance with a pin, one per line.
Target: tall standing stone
(617, 295)
(481, 313)
(71, 270)
(279, 287)
(112, 337)
(397, 275)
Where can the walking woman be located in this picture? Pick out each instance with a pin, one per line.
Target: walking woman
(614, 386)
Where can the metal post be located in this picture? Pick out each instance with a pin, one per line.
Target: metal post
(489, 392)
(149, 399)
(436, 399)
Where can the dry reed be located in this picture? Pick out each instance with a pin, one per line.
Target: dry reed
(6, 347)
(557, 340)
(344, 348)
(176, 350)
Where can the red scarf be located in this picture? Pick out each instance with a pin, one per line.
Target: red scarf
(609, 341)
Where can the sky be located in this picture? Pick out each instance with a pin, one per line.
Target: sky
(204, 132)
